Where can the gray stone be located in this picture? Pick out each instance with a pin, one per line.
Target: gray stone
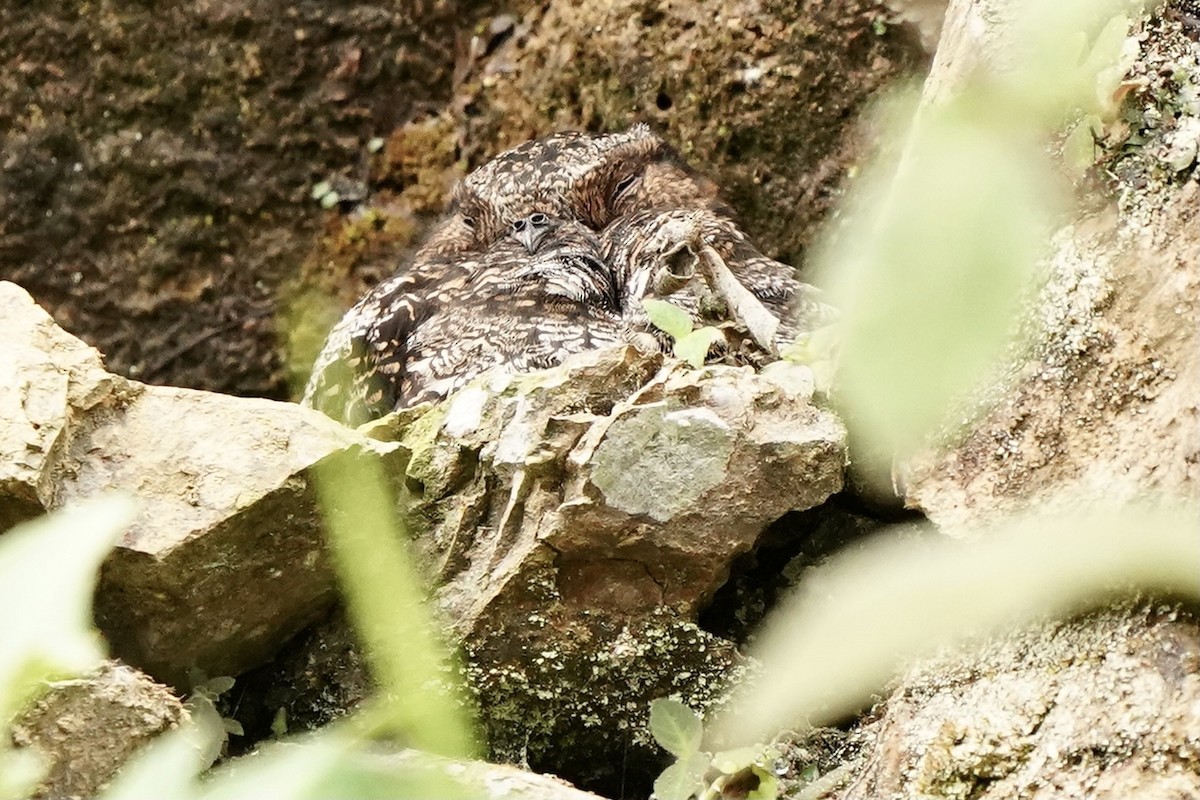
(1104, 707)
(86, 729)
(225, 559)
(579, 518)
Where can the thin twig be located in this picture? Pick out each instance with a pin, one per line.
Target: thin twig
(744, 307)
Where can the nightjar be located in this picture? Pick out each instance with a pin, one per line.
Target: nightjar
(547, 250)
(534, 296)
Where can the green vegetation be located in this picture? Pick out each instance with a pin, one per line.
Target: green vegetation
(930, 273)
(702, 774)
(690, 345)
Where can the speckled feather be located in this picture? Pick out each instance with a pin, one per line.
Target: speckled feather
(421, 335)
(474, 298)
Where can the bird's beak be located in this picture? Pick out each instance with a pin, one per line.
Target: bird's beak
(529, 236)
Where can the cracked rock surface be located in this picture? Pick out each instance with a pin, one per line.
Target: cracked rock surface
(225, 559)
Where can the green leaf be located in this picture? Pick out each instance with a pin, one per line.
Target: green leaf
(683, 779)
(215, 687)
(1079, 148)
(47, 578)
(334, 765)
(826, 652)
(676, 727)
(167, 767)
(768, 784)
(731, 761)
(279, 724)
(668, 317)
(694, 347)
(1109, 60)
(932, 275)
(384, 596)
(210, 726)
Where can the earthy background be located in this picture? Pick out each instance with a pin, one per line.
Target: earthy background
(158, 162)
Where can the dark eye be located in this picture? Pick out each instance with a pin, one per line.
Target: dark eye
(623, 186)
(539, 219)
(468, 221)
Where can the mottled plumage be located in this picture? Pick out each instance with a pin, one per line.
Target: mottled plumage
(547, 250)
(526, 302)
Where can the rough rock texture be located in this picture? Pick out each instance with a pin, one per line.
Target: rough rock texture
(1105, 407)
(49, 382)
(639, 499)
(87, 728)
(1106, 707)
(157, 162)
(576, 520)
(225, 559)
(761, 96)
(1102, 408)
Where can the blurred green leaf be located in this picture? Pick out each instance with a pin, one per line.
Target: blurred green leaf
(768, 784)
(168, 766)
(731, 761)
(48, 573)
(931, 273)
(1079, 148)
(827, 649)
(1063, 56)
(675, 726)
(332, 763)
(668, 317)
(694, 347)
(279, 723)
(1108, 61)
(419, 696)
(683, 779)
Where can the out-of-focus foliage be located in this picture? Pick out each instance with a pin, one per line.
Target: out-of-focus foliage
(418, 698)
(47, 578)
(829, 647)
(705, 775)
(929, 272)
(945, 230)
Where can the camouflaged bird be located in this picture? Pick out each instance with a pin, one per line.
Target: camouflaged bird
(546, 250)
(528, 301)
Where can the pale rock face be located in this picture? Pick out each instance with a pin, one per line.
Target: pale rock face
(225, 558)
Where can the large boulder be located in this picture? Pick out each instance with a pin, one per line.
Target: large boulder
(575, 522)
(1103, 407)
(225, 559)
(1107, 707)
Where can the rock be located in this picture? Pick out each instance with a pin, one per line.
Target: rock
(225, 559)
(1105, 707)
(1103, 406)
(49, 381)
(579, 519)
(642, 499)
(87, 728)
(157, 202)
(575, 521)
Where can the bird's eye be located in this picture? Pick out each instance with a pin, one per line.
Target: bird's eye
(539, 219)
(468, 221)
(623, 186)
